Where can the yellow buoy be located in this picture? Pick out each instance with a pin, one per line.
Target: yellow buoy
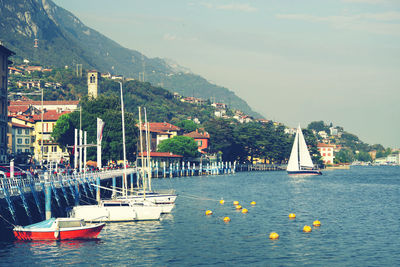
(238, 207)
(307, 228)
(316, 223)
(235, 202)
(252, 203)
(292, 216)
(227, 219)
(222, 202)
(273, 235)
(244, 210)
(208, 212)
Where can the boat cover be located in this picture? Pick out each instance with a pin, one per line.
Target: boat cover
(43, 224)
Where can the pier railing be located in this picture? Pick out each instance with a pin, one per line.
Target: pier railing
(14, 186)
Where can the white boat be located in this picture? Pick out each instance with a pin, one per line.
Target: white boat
(119, 210)
(164, 200)
(300, 162)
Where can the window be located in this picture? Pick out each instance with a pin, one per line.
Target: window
(324, 154)
(45, 149)
(19, 150)
(19, 131)
(27, 150)
(54, 149)
(27, 141)
(26, 131)
(19, 141)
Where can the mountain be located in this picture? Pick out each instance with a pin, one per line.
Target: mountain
(63, 40)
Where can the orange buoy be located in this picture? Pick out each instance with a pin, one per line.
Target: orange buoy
(252, 203)
(316, 223)
(292, 216)
(307, 228)
(208, 212)
(273, 235)
(222, 202)
(238, 207)
(227, 219)
(235, 202)
(244, 210)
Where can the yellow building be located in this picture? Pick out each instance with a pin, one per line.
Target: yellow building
(42, 131)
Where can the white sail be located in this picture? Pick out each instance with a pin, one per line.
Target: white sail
(293, 164)
(299, 157)
(305, 158)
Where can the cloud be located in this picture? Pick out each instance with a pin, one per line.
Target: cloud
(367, 22)
(235, 7)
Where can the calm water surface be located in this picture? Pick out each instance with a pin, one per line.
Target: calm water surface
(359, 210)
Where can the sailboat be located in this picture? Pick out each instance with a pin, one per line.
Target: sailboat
(119, 209)
(300, 162)
(165, 200)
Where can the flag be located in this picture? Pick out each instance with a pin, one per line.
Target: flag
(100, 127)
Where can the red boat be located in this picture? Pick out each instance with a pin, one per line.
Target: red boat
(58, 229)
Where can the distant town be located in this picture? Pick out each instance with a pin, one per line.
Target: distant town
(27, 130)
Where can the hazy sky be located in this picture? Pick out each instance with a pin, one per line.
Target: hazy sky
(294, 61)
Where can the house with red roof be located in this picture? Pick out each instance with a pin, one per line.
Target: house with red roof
(201, 137)
(158, 132)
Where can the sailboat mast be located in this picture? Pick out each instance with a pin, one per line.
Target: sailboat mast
(148, 149)
(298, 147)
(141, 151)
(125, 188)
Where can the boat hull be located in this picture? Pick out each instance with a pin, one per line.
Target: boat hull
(87, 232)
(305, 172)
(97, 213)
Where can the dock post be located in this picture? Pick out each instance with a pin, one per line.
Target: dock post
(200, 169)
(164, 172)
(77, 195)
(132, 183)
(114, 185)
(48, 200)
(98, 189)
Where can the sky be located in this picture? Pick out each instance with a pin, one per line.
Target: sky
(293, 61)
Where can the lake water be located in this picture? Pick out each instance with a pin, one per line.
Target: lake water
(359, 210)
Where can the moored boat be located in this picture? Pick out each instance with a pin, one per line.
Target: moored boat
(118, 210)
(58, 229)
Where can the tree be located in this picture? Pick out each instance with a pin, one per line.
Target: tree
(363, 156)
(221, 138)
(318, 126)
(187, 125)
(108, 108)
(344, 156)
(180, 145)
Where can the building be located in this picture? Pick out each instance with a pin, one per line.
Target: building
(45, 148)
(22, 141)
(326, 152)
(161, 159)
(60, 106)
(93, 83)
(202, 139)
(4, 62)
(159, 131)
